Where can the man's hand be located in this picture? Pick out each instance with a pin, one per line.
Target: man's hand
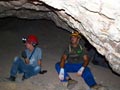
(23, 54)
(61, 74)
(80, 71)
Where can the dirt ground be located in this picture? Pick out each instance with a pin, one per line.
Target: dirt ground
(52, 40)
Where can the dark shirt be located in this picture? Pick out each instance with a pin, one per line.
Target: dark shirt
(75, 54)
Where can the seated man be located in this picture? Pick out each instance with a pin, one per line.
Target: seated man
(75, 60)
(30, 64)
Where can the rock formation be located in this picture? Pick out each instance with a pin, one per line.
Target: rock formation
(97, 20)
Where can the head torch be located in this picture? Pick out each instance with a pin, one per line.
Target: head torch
(24, 40)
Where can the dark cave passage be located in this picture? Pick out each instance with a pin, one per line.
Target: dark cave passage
(52, 39)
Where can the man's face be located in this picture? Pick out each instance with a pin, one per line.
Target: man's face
(28, 45)
(74, 40)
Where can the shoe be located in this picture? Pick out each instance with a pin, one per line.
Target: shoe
(43, 71)
(99, 87)
(11, 78)
(71, 84)
(23, 78)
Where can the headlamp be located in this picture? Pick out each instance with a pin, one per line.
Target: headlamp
(24, 40)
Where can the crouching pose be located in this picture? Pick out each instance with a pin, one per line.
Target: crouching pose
(75, 60)
(30, 63)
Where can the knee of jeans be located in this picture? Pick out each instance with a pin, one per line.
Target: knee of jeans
(87, 69)
(86, 72)
(57, 65)
(37, 69)
(16, 58)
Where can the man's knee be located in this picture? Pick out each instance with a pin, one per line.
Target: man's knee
(87, 69)
(57, 65)
(87, 72)
(16, 59)
(37, 69)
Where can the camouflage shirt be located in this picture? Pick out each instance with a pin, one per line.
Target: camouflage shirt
(75, 54)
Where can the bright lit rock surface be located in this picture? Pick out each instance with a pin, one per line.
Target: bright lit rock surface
(97, 20)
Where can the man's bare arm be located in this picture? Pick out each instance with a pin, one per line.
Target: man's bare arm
(40, 63)
(63, 59)
(26, 60)
(86, 60)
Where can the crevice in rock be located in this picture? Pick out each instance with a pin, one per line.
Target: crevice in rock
(98, 13)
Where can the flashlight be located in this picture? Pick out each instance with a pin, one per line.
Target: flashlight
(24, 40)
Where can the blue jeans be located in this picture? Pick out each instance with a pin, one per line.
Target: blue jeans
(73, 68)
(19, 66)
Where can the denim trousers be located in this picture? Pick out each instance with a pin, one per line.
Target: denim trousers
(73, 68)
(19, 66)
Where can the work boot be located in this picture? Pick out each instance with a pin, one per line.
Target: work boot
(71, 83)
(23, 78)
(43, 71)
(99, 87)
(12, 78)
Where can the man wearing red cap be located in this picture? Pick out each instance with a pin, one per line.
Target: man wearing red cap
(30, 63)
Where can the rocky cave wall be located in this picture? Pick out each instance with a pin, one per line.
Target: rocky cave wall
(97, 20)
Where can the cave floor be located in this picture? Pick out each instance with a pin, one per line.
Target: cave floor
(52, 40)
